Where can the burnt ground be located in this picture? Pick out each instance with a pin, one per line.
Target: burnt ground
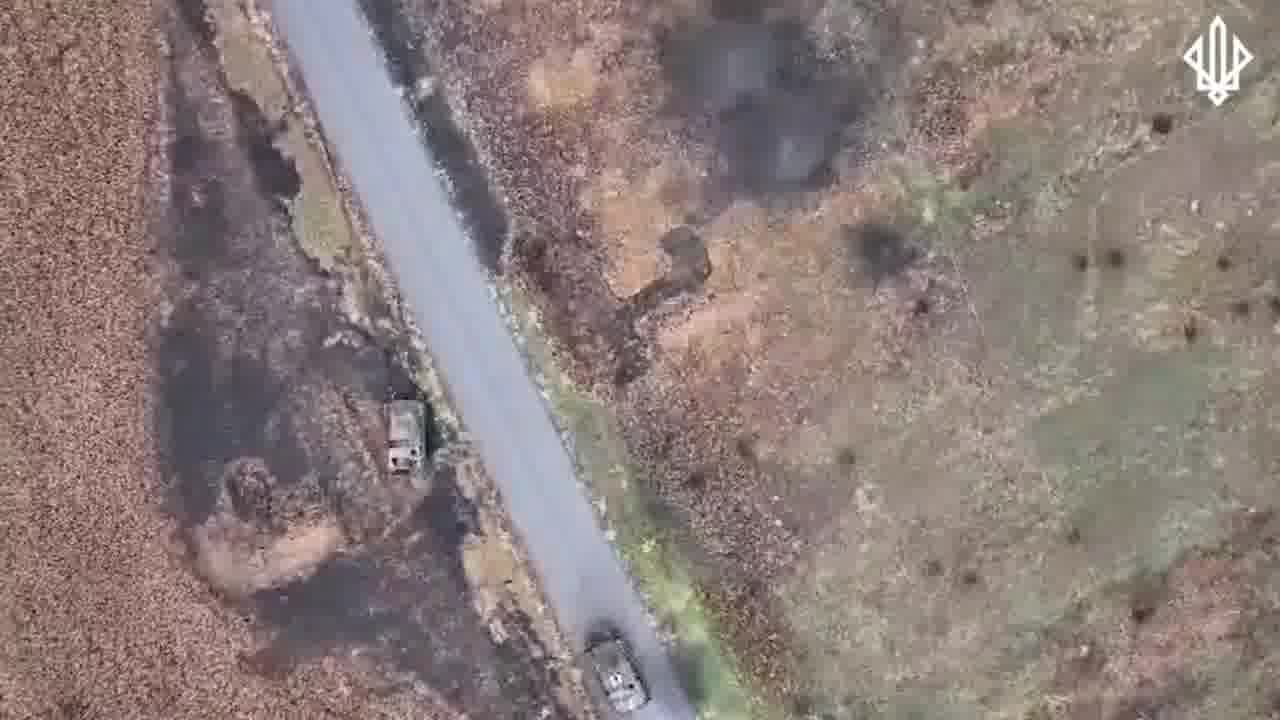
(196, 522)
(977, 333)
(482, 210)
(247, 378)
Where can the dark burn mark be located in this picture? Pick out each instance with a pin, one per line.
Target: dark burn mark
(407, 602)
(1148, 592)
(212, 409)
(746, 11)
(933, 568)
(482, 212)
(449, 516)
(688, 253)
(778, 113)
(1080, 261)
(846, 457)
(230, 387)
(195, 16)
(204, 249)
(406, 61)
(1140, 614)
(1162, 123)
(715, 67)
(216, 412)
(1223, 263)
(198, 196)
(1190, 330)
(330, 608)
(882, 249)
(690, 268)
(365, 364)
(1115, 258)
(186, 149)
(1273, 303)
(1241, 308)
(276, 174)
(782, 143)
(400, 382)
(600, 332)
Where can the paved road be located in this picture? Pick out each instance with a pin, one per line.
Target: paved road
(368, 127)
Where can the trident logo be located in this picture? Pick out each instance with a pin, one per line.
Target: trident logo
(1215, 75)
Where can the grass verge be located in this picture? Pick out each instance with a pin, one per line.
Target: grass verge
(635, 525)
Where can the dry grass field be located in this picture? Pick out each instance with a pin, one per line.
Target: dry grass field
(924, 353)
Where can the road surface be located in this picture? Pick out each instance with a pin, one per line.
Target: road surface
(368, 128)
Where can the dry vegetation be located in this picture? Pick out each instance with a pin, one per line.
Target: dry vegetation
(972, 382)
(193, 517)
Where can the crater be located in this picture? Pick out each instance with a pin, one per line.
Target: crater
(776, 113)
(883, 251)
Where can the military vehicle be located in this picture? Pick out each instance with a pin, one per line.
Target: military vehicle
(406, 436)
(616, 672)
